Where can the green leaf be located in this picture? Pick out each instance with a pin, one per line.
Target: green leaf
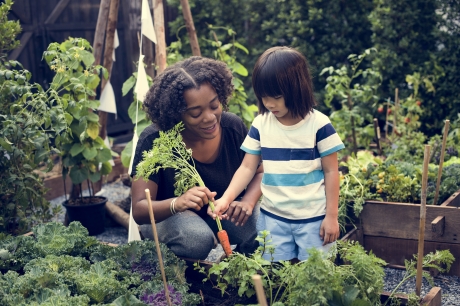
(90, 153)
(76, 149)
(240, 69)
(6, 144)
(94, 177)
(127, 85)
(104, 155)
(126, 154)
(106, 168)
(92, 117)
(87, 58)
(241, 47)
(78, 176)
(93, 130)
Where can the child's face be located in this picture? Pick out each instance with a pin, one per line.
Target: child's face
(277, 106)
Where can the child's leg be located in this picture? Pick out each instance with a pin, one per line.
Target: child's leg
(306, 236)
(281, 236)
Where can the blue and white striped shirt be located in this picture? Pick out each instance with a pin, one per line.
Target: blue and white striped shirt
(293, 181)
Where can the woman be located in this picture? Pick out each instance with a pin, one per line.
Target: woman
(195, 91)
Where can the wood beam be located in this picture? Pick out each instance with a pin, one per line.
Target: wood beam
(25, 37)
(190, 27)
(159, 24)
(57, 11)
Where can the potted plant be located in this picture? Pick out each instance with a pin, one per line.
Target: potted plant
(85, 157)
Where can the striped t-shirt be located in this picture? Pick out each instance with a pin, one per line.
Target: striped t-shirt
(293, 180)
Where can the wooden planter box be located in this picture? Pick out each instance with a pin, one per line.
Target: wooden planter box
(56, 183)
(391, 230)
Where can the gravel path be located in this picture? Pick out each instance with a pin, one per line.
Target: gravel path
(450, 285)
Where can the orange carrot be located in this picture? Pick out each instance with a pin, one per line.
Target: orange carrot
(225, 242)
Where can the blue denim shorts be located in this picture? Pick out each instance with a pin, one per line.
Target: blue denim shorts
(291, 240)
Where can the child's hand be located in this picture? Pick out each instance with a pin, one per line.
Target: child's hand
(220, 206)
(329, 231)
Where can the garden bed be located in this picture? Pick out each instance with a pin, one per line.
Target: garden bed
(391, 230)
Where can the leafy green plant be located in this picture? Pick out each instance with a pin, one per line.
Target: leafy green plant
(316, 281)
(31, 122)
(355, 89)
(61, 265)
(85, 157)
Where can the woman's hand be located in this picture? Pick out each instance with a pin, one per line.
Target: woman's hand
(329, 231)
(195, 198)
(239, 212)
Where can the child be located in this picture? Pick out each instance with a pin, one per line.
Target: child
(298, 146)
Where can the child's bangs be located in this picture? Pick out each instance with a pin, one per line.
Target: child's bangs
(266, 84)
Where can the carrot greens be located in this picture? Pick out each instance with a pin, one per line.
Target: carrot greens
(169, 151)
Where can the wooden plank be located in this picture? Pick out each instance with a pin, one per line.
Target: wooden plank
(398, 220)
(453, 200)
(57, 11)
(56, 183)
(21, 11)
(438, 225)
(26, 36)
(394, 251)
(433, 298)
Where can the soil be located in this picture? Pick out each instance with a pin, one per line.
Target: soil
(85, 201)
(212, 296)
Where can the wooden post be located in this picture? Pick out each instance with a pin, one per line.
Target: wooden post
(386, 119)
(441, 160)
(395, 110)
(108, 58)
(190, 27)
(377, 135)
(157, 244)
(261, 299)
(421, 233)
(353, 132)
(159, 24)
(99, 34)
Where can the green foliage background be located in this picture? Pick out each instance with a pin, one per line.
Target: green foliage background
(411, 36)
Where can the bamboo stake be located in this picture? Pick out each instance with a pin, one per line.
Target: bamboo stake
(261, 299)
(396, 110)
(441, 160)
(421, 233)
(386, 118)
(159, 25)
(108, 59)
(377, 135)
(157, 244)
(353, 132)
(190, 27)
(99, 34)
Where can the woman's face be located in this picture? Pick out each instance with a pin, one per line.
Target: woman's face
(202, 116)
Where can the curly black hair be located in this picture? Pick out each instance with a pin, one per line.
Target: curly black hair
(165, 103)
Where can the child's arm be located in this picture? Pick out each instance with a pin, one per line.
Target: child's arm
(239, 182)
(330, 231)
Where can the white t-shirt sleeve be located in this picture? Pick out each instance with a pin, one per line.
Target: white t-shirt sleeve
(327, 139)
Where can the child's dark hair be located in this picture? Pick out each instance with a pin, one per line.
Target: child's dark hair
(283, 71)
(165, 103)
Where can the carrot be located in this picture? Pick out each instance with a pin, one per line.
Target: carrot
(225, 242)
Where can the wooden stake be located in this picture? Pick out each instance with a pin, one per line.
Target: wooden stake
(190, 27)
(108, 59)
(159, 24)
(395, 120)
(99, 34)
(353, 132)
(261, 299)
(377, 135)
(386, 118)
(441, 160)
(421, 233)
(157, 244)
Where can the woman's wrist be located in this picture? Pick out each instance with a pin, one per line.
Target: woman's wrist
(172, 206)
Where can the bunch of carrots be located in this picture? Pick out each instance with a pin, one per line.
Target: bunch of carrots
(169, 151)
